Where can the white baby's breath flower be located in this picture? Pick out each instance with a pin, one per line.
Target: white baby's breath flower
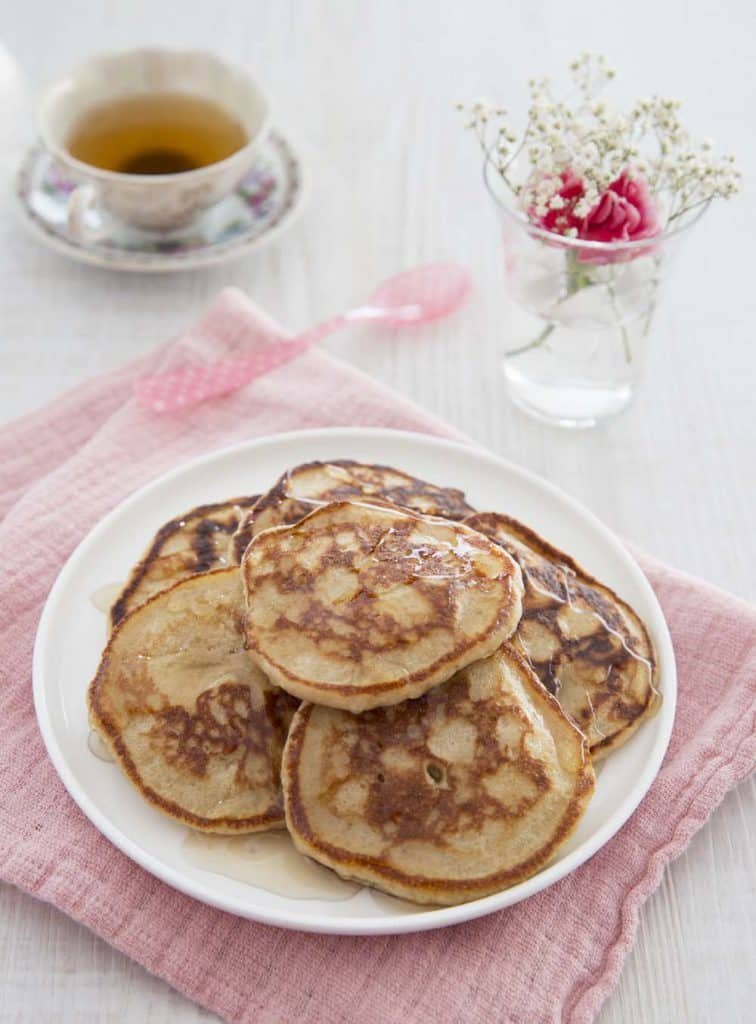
(588, 141)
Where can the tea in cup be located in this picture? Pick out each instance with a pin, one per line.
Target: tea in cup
(153, 137)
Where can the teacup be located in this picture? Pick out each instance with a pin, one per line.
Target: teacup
(154, 202)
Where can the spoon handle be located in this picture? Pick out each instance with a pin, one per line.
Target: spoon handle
(183, 389)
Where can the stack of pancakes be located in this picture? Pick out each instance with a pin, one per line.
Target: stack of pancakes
(416, 690)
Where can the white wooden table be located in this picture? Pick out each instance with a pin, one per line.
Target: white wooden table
(367, 90)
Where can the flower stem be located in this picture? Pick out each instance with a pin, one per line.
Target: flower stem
(623, 329)
(687, 209)
(578, 277)
(626, 344)
(535, 343)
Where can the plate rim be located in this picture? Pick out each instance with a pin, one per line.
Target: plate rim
(164, 263)
(434, 917)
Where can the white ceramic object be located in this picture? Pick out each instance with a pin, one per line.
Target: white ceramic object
(72, 633)
(264, 203)
(157, 202)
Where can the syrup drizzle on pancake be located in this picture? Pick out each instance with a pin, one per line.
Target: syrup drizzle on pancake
(104, 597)
(588, 647)
(362, 605)
(304, 488)
(98, 747)
(268, 861)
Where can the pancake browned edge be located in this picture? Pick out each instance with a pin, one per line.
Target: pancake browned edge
(194, 724)
(198, 541)
(362, 605)
(468, 790)
(587, 646)
(301, 489)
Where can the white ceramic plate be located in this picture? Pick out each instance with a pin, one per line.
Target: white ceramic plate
(72, 632)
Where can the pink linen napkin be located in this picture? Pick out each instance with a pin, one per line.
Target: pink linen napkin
(552, 958)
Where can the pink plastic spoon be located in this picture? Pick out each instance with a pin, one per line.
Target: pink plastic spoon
(413, 297)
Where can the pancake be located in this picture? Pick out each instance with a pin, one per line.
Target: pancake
(587, 646)
(198, 541)
(194, 724)
(359, 606)
(461, 793)
(305, 487)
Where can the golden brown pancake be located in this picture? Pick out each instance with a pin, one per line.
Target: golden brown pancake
(305, 487)
(468, 790)
(360, 606)
(194, 724)
(198, 541)
(587, 646)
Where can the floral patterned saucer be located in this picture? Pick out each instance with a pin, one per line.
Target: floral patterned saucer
(265, 203)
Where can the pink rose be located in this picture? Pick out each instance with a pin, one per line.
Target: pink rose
(626, 212)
